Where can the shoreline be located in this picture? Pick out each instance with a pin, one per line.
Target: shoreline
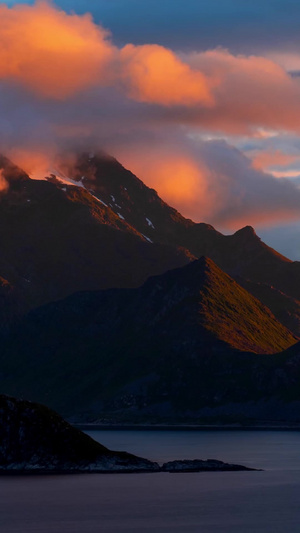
(180, 427)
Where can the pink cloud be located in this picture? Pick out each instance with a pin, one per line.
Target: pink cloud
(264, 159)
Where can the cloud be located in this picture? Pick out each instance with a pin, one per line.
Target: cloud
(266, 160)
(249, 196)
(251, 94)
(154, 74)
(52, 53)
(215, 183)
(56, 54)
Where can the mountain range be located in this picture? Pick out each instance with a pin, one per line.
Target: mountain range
(114, 305)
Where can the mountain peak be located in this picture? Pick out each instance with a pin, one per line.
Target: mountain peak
(201, 293)
(245, 232)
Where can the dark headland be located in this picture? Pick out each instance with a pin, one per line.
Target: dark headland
(36, 440)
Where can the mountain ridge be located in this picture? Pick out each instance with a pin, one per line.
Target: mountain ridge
(168, 346)
(91, 348)
(242, 255)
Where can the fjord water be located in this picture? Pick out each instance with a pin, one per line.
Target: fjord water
(226, 502)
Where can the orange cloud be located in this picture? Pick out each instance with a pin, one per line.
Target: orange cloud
(179, 178)
(34, 162)
(154, 74)
(251, 93)
(51, 52)
(56, 55)
(215, 183)
(3, 183)
(265, 159)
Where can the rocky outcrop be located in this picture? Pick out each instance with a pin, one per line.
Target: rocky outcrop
(34, 438)
(198, 465)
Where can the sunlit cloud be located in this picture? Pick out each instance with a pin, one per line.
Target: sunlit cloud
(155, 75)
(266, 160)
(57, 54)
(52, 53)
(285, 173)
(215, 183)
(253, 95)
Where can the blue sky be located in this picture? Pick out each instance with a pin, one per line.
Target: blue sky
(244, 26)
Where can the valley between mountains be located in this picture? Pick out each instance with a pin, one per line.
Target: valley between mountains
(116, 309)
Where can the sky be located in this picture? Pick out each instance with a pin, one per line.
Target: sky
(199, 98)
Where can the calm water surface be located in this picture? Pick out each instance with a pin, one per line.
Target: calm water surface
(227, 502)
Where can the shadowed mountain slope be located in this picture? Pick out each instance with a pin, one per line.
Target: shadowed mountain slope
(35, 439)
(170, 340)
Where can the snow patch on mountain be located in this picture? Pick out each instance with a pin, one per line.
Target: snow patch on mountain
(62, 178)
(147, 238)
(98, 199)
(150, 223)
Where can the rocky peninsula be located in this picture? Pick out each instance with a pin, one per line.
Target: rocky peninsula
(35, 439)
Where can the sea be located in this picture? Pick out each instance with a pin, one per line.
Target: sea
(266, 501)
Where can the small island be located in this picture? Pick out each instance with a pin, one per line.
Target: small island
(35, 439)
(198, 465)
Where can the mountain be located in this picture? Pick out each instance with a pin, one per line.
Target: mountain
(190, 339)
(56, 240)
(35, 439)
(285, 308)
(241, 254)
(183, 338)
(90, 224)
